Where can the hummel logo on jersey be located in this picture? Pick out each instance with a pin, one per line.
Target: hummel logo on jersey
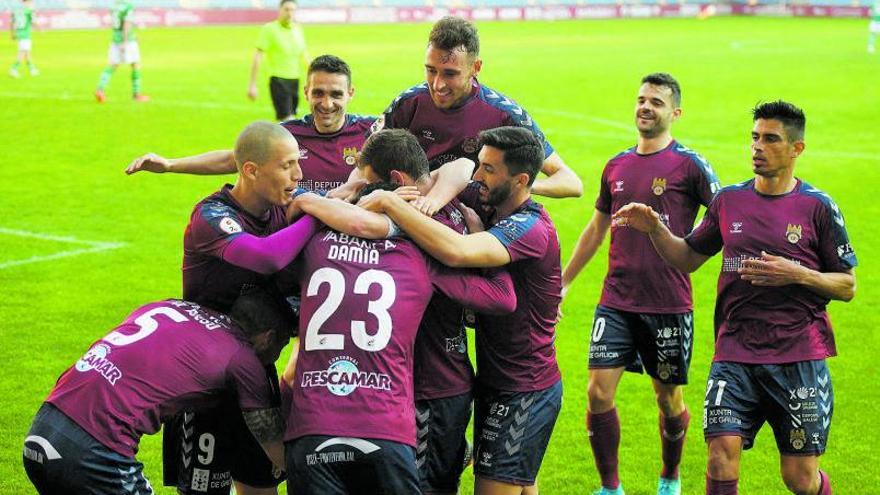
(428, 134)
(736, 227)
(618, 186)
(303, 152)
(470, 145)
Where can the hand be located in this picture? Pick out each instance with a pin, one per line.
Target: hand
(348, 191)
(771, 271)
(638, 216)
(408, 193)
(426, 205)
(294, 209)
(252, 92)
(473, 221)
(150, 162)
(559, 313)
(378, 201)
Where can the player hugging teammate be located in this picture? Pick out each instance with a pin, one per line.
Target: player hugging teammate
(379, 390)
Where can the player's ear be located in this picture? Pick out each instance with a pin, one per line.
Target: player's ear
(676, 113)
(397, 177)
(522, 179)
(249, 170)
(798, 148)
(478, 64)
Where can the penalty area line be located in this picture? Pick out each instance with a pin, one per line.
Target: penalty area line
(88, 247)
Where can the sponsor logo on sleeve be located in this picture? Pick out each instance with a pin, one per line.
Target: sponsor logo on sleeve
(230, 226)
(845, 250)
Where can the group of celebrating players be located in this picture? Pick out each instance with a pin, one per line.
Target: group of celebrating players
(382, 278)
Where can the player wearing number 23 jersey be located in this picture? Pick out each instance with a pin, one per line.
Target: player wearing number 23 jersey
(362, 302)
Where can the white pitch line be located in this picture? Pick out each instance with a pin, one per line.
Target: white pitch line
(94, 247)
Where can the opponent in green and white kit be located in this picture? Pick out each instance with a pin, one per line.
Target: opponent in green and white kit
(123, 50)
(22, 18)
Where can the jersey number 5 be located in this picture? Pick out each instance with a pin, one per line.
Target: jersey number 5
(314, 340)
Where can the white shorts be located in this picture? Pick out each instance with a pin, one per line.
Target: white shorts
(24, 45)
(874, 27)
(131, 54)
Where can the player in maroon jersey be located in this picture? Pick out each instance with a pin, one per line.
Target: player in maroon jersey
(165, 357)
(644, 319)
(786, 255)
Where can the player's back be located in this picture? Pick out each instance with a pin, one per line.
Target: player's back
(361, 306)
(165, 356)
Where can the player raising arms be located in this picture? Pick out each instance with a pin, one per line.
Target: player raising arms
(237, 238)
(22, 19)
(519, 389)
(448, 111)
(786, 255)
(124, 49)
(85, 435)
(645, 315)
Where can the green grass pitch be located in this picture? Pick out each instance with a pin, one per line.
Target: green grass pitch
(63, 155)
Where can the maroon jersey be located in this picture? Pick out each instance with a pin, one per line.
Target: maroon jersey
(447, 135)
(362, 301)
(442, 365)
(675, 182)
(328, 159)
(214, 223)
(772, 325)
(165, 357)
(515, 352)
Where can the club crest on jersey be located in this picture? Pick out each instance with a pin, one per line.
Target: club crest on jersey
(798, 438)
(350, 156)
(230, 226)
(793, 233)
(659, 185)
(470, 145)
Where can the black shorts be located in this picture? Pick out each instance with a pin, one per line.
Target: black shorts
(511, 432)
(796, 399)
(203, 451)
(61, 458)
(326, 465)
(285, 96)
(441, 443)
(661, 343)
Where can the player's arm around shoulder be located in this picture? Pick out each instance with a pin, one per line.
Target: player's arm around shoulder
(481, 249)
(345, 217)
(561, 181)
(487, 291)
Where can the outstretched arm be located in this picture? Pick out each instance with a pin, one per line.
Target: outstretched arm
(267, 426)
(449, 247)
(673, 249)
(561, 181)
(492, 293)
(255, 70)
(211, 163)
(776, 271)
(269, 254)
(345, 217)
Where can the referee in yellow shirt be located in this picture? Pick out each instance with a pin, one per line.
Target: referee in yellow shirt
(284, 44)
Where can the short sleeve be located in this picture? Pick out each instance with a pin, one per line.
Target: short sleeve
(603, 202)
(264, 39)
(835, 250)
(213, 227)
(247, 377)
(704, 181)
(517, 116)
(706, 237)
(523, 234)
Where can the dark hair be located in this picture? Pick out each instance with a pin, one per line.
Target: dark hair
(523, 152)
(664, 79)
(330, 64)
(451, 32)
(375, 186)
(260, 309)
(394, 149)
(282, 2)
(793, 119)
